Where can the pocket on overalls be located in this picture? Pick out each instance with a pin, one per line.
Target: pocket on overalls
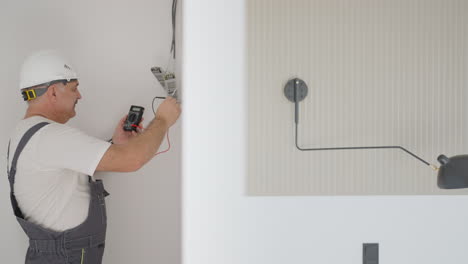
(36, 257)
(102, 203)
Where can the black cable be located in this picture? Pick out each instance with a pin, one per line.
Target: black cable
(174, 14)
(296, 118)
(152, 104)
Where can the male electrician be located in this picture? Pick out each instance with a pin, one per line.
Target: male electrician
(54, 197)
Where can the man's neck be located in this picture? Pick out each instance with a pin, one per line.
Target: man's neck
(31, 113)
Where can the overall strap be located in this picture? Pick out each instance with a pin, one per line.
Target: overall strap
(12, 171)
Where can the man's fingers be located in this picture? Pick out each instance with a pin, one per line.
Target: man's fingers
(141, 124)
(123, 119)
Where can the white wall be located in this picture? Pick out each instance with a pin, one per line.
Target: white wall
(112, 44)
(223, 225)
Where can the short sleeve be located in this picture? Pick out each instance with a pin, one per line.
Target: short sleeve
(64, 147)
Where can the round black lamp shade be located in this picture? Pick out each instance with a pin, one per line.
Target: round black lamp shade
(453, 172)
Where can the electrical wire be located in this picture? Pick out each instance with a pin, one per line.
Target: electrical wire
(170, 61)
(168, 142)
(152, 104)
(296, 118)
(174, 13)
(137, 126)
(170, 65)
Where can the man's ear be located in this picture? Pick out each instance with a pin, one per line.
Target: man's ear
(52, 93)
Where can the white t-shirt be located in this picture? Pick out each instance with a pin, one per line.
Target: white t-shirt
(51, 183)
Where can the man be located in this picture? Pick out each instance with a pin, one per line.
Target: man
(55, 199)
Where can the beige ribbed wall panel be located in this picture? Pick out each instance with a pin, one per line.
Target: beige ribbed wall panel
(380, 72)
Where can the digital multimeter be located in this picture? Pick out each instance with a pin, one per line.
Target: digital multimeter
(134, 118)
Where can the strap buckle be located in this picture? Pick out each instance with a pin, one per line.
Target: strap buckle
(29, 95)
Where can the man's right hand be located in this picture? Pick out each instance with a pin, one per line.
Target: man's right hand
(141, 148)
(168, 112)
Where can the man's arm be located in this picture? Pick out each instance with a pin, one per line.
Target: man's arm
(141, 148)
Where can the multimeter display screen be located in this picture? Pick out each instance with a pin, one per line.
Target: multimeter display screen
(135, 109)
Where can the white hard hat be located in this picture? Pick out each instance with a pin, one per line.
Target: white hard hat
(43, 67)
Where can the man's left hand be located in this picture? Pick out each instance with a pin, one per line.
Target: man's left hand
(121, 136)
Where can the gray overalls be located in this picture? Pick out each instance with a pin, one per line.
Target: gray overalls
(83, 244)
